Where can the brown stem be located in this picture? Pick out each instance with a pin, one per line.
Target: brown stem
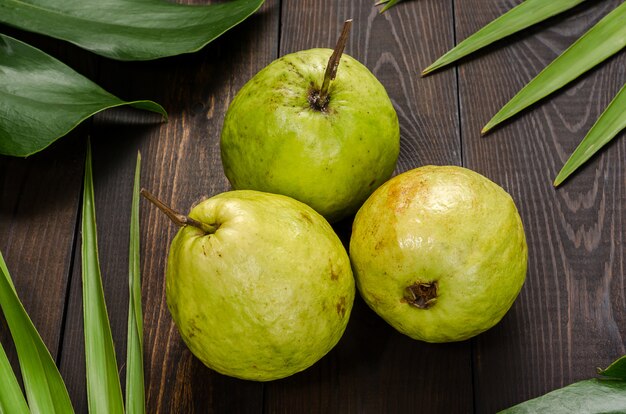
(179, 219)
(320, 99)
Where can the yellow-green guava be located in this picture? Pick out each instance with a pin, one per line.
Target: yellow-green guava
(266, 293)
(439, 253)
(275, 137)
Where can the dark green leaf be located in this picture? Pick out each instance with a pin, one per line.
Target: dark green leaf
(41, 99)
(44, 386)
(528, 13)
(128, 29)
(104, 394)
(606, 38)
(595, 396)
(135, 399)
(616, 370)
(610, 123)
(11, 397)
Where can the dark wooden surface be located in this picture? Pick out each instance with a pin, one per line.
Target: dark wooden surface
(569, 318)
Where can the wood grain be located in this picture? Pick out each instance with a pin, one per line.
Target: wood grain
(570, 316)
(38, 204)
(375, 369)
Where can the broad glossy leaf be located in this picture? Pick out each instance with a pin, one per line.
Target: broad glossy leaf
(128, 29)
(610, 123)
(524, 15)
(104, 394)
(616, 370)
(135, 393)
(387, 4)
(11, 397)
(603, 40)
(593, 396)
(42, 99)
(44, 386)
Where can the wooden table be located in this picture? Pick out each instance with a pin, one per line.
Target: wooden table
(569, 318)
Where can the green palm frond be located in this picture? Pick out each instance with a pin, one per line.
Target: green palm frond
(45, 389)
(599, 43)
(104, 393)
(610, 123)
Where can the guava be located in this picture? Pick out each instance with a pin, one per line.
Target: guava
(439, 253)
(259, 285)
(283, 134)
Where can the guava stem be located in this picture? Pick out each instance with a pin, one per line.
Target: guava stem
(320, 100)
(179, 219)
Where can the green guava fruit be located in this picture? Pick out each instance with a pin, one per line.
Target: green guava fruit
(259, 285)
(280, 137)
(439, 253)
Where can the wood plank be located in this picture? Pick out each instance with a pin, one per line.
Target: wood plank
(38, 204)
(570, 317)
(375, 369)
(181, 165)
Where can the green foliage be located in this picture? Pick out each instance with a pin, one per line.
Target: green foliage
(594, 396)
(41, 99)
(602, 41)
(605, 395)
(44, 386)
(387, 4)
(610, 123)
(526, 14)
(616, 370)
(135, 398)
(128, 29)
(104, 394)
(11, 398)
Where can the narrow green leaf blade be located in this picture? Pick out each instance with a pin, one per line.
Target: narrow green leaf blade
(526, 14)
(610, 123)
(387, 4)
(593, 396)
(128, 29)
(104, 393)
(616, 370)
(11, 397)
(602, 41)
(135, 393)
(44, 386)
(41, 99)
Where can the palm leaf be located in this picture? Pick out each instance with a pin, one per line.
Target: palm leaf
(135, 400)
(104, 394)
(603, 40)
(128, 29)
(518, 18)
(610, 123)
(44, 386)
(11, 397)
